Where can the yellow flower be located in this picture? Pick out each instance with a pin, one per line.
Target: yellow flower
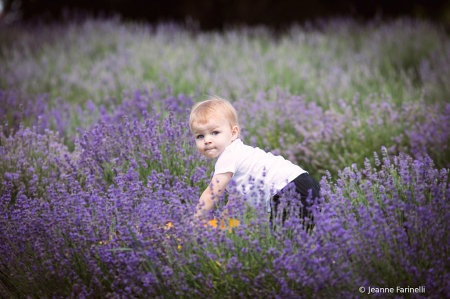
(107, 241)
(233, 223)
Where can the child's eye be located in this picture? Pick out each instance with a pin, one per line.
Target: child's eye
(199, 136)
(215, 132)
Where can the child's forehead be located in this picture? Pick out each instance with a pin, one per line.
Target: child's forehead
(210, 123)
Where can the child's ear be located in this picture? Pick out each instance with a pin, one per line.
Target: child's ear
(235, 132)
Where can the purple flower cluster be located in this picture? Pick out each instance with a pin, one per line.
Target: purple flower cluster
(322, 140)
(382, 226)
(428, 131)
(41, 111)
(150, 147)
(127, 137)
(16, 108)
(302, 131)
(32, 162)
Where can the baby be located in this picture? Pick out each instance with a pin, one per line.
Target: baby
(214, 123)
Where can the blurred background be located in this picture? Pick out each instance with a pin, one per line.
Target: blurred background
(323, 83)
(213, 15)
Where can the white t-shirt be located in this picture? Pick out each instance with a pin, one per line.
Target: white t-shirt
(247, 162)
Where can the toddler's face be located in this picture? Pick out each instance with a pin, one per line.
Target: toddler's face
(213, 137)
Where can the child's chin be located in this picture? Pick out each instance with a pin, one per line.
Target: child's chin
(211, 155)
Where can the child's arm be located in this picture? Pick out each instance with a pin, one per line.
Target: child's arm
(216, 188)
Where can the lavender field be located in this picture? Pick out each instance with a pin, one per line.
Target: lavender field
(100, 175)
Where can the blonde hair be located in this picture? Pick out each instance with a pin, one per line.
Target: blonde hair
(213, 107)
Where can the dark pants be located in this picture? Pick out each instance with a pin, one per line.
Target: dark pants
(303, 183)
